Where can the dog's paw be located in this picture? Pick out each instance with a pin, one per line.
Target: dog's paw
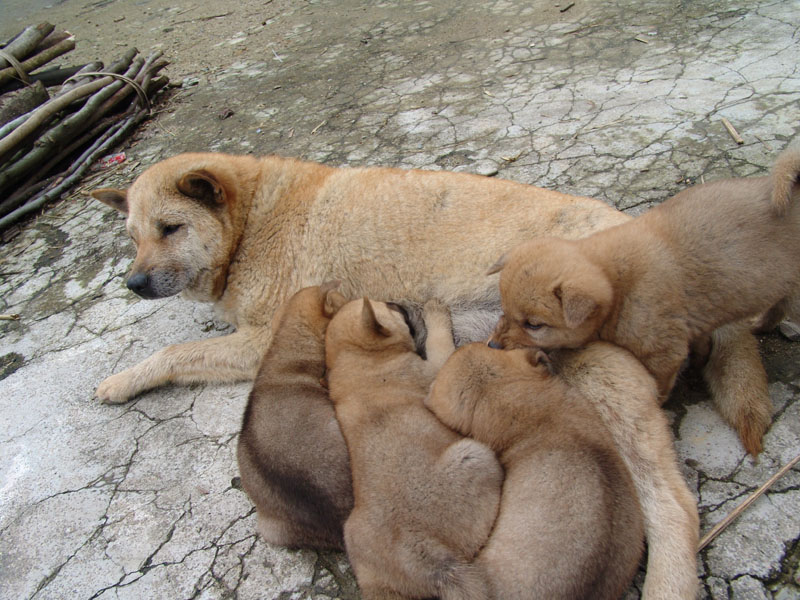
(117, 389)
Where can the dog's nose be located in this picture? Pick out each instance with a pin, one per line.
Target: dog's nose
(139, 283)
(495, 345)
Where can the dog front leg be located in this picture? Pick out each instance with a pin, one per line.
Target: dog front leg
(229, 358)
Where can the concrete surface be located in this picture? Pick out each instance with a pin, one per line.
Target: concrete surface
(622, 101)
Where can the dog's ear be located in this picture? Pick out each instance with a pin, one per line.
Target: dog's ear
(577, 304)
(332, 299)
(498, 266)
(114, 198)
(539, 358)
(370, 321)
(333, 302)
(204, 186)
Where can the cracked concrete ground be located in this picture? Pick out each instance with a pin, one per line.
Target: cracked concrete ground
(621, 101)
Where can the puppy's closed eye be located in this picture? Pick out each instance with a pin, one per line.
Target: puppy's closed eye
(534, 326)
(167, 230)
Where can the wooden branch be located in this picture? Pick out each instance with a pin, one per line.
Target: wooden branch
(37, 60)
(12, 125)
(49, 77)
(123, 91)
(47, 110)
(719, 527)
(82, 164)
(150, 67)
(732, 131)
(33, 184)
(51, 40)
(25, 42)
(65, 129)
(23, 101)
(91, 116)
(116, 67)
(77, 80)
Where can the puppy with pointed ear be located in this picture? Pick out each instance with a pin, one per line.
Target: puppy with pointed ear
(292, 457)
(567, 491)
(552, 295)
(425, 498)
(712, 255)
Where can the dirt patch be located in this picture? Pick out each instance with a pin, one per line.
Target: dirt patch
(205, 36)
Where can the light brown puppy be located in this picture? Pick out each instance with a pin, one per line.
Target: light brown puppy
(243, 232)
(711, 255)
(425, 498)
(292, 457)
(624, 395)
(570, 525)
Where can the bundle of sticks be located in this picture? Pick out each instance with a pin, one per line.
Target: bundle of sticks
(55, 123)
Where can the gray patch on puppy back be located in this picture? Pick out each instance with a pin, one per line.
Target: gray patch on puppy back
(471, 322)
(474, 324)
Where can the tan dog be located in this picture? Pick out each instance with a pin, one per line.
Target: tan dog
(243, 232)
(292, 457)
(570, 525)
(709, 256)
(425, 498)
(613, 389)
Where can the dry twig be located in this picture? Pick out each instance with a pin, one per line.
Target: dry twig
(719, 527)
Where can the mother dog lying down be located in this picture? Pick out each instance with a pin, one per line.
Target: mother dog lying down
(245, 232)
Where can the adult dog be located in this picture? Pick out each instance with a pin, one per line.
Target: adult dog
(246, 232)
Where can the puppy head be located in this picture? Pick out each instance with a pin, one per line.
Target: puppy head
(181, 214)
(309, 311)
(366, 326)
(552, 296)
(472, 393)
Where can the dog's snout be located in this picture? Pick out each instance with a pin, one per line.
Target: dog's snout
(139, 283)
(495, 344)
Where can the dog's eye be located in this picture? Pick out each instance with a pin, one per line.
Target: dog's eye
(534, 326)
(170, 229)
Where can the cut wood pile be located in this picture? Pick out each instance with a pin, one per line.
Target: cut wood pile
(56, 122)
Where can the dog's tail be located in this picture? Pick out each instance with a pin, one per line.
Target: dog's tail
(785, 179)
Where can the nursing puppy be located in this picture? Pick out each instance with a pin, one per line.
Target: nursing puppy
(244, 232)
(624, 396)
(570, 524)
(292, 457)
(425, 498)
(711, 255)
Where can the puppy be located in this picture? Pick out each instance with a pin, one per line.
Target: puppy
(243, 232)
(292, 456)
(425, 498)
(570, 524)
(711, 255)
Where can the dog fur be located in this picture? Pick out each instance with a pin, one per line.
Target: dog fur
(712, 255)
(425, 498)
(244, 232)
(292, 457)
(570, 525)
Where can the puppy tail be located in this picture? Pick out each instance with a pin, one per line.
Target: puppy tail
(785, 180)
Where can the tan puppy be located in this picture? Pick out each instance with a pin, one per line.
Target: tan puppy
(292, 456)
(570, 525)
(711, 255)
(425, 498)
(243, 232)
